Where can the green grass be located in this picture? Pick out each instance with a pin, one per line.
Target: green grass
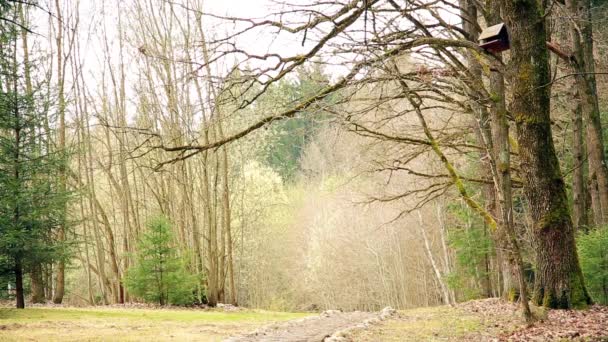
(55, 314)
(426, 324)
(118, 324)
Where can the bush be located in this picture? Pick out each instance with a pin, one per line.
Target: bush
(593, 254)
(160, 275)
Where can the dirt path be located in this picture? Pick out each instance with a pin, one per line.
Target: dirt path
(328, 326)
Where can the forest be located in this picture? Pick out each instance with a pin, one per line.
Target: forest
(286, 158)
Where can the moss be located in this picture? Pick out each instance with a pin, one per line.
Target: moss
(555, 217)
(579, 298)
(574, 297)
(537, 296)
(514, 145)
(526, 71)
(525, 118)
(494, 97)
(503, 163)
(512, 295)
(550, 300)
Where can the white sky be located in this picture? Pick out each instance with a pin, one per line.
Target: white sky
(96, 14)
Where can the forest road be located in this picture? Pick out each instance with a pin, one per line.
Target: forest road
(314, 329)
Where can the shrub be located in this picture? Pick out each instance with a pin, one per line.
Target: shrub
(593, 254)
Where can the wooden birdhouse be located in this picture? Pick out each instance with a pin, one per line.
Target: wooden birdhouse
(494, 38)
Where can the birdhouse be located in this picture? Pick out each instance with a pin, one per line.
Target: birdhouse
(494, 38)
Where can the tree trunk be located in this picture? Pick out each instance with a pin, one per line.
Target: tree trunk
(19, 295)
(514, 266)
(443, 232)
(445, 292)
(226, 210)
(559, 280)
(60, 276)
(581, 32)
(482, 129)
(579, 195)
(48, 288)
(37, 284)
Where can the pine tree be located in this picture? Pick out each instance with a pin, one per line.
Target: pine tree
(160, 274)
(29, 200)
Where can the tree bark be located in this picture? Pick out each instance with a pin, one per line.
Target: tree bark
(492, 132)
(60, 275)
(19, 295)
(482, 128)
(514, 266)
(579, 191)
(581, 32)
(48, 288)
(37, 284)
(445, 292)
(559, 280)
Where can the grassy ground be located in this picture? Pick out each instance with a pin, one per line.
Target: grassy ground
(481, 320)
(441, 323)
(118, 324)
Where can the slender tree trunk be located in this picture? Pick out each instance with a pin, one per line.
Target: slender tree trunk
(581, 33)
(481, 126)
(100, 251)
(19, 295)
(559, 280)
(226, 212)
(208, 200)
(579, 193)
(445, 292)
(502, 165)
(60, 275)
(48, 288)
(443, 231)
(485, 136)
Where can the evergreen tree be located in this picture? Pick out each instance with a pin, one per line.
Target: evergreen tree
(30, 204)
(473, 248)
(288, 138)
(160, 275)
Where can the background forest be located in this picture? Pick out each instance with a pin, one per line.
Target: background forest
(319, 155)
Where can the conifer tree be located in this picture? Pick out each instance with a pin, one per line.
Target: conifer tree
(30, 202)
(159, 275)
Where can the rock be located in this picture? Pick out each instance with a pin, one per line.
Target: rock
(387, 312)
(329, 313)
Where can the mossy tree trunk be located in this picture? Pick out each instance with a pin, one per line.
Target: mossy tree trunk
(559, 281)
(579, 191)
(37, 284)
(481, 126)
(492, 129)
(512, 268)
